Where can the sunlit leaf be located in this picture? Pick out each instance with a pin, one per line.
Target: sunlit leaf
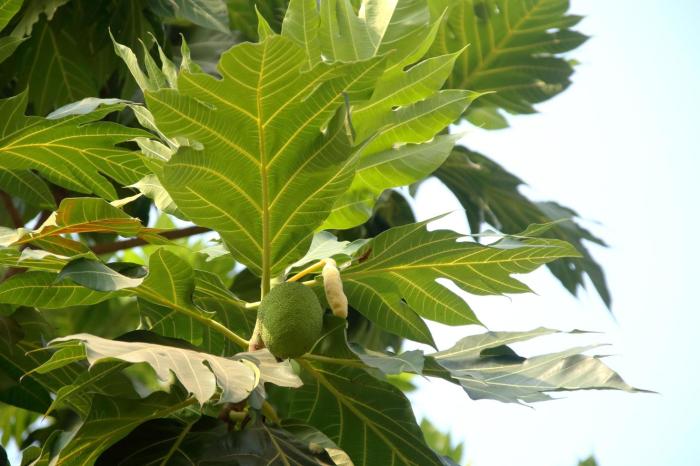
(397, 277)
(75, 152)
(261, 132)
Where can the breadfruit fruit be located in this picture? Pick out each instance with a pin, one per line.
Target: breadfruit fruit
(291, 320)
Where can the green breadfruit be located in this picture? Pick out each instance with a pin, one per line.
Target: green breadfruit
(291, 319)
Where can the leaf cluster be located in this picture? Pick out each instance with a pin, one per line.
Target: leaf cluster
(282, 134)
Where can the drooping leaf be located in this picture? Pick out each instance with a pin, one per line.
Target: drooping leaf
(369, 419)
(390, 363)
(491, 195)
(515, 51)
(398, 274)
(74, 152)
(487, 369)
(151, 187)
(260, 128)
(200, 373)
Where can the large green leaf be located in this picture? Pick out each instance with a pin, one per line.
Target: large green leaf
(491, 195)
(265, 136)
(369, 419)
(396, 280)
(405, 110)
(75, 152)
(515, 51)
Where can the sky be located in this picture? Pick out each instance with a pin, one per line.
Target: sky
(620, 147)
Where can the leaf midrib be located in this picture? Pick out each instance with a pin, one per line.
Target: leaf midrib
(266, 243)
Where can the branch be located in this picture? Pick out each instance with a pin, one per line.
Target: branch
(136, 242)
(12, 210)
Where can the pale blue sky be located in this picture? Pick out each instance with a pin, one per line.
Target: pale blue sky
(621, 147)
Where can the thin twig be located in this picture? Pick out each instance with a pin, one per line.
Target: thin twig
(136, 242)
(15, 216)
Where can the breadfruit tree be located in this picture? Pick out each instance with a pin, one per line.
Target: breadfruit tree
(207, 247)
